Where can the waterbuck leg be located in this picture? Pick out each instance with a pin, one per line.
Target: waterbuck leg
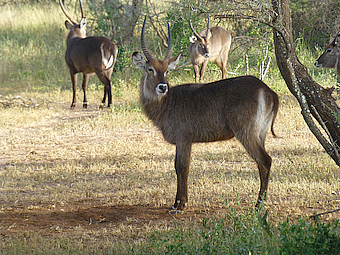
(264, 170)
(224, 70)
(107, 88)
(203, 67)
(255, 147)
(84, 86)
(182, 162)
(74, 79)
(196, 71)
(109, 94)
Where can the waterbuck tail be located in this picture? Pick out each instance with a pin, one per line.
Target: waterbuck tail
(108, 61)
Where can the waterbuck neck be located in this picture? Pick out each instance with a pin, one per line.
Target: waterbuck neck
(153, 105)
(77, 33)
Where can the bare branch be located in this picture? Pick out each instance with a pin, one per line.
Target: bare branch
(314, 216)
(19, 101)
(322, 123)
(307, 114)
(156, 28)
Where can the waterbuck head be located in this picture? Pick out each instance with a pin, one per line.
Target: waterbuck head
(76, 29)
(330, 57)
(202, 42)
(154, 81)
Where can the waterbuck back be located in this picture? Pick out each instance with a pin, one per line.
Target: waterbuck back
(88, 55)
(242, 107)
(210, 45)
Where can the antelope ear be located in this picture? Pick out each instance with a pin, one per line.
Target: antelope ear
(83, 23)
(174, 62)
(193, 39)
(138, 60)
(68, 25)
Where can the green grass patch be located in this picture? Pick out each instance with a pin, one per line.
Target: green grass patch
(249, 232)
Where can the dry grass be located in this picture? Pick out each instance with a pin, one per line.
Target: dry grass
(108, 175)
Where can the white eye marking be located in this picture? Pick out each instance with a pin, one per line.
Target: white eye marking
(152, 69)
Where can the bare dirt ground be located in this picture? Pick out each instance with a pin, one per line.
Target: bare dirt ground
(91, 216)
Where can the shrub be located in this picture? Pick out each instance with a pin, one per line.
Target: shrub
(249, 232)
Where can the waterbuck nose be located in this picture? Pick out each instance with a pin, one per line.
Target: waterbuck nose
(162, 88)
(317, 65)
(207, 55)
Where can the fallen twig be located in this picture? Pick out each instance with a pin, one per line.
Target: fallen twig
(320, 214)
(18, 101)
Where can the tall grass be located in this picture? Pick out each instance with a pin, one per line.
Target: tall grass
(32, 43)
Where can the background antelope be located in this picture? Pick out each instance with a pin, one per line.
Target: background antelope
(241, 107)
(211, 44)
(331, 56)
(87, 55)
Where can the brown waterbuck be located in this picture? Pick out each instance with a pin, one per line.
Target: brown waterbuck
(330, 58)
(211, 44)
(242, 107)
(88, 55)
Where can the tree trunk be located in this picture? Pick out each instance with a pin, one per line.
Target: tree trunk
(314, 99)
(123, 16)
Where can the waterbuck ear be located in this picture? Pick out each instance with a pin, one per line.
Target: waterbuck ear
(193, 39)
(138, 60)
(83, 23)
(173, 62)
(68, 25)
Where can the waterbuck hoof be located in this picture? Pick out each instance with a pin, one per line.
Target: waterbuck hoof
(73, 106)
(175, 211)
(85, 105)
(101, 106)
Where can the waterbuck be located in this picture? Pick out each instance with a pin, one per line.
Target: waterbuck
(211, 44)
(88, 55)
(330, 58)
(242, 107)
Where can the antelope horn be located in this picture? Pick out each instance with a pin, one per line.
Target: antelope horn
(169, 49)
(195, 33)
(66, 14)
(337, 39)
(146, 52)
(333, 43)
(82, 10)
(208, 27)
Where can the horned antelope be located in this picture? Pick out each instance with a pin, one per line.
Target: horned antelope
(88, 55)
(211, 44)
(242, 107)
(330, 58)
